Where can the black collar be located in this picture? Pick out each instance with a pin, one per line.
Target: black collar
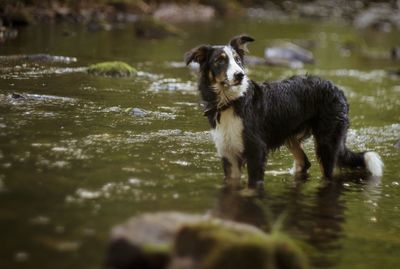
(213, 111)
(212, 108)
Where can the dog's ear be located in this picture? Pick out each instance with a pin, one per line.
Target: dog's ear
(198, 54)
(239, 43)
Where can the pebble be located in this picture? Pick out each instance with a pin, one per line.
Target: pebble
(137, 112)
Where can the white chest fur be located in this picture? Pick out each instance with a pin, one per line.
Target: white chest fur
(228, 135)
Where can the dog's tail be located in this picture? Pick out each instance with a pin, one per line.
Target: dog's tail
(369, 160)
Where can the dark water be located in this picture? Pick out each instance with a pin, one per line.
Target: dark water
(75, 162)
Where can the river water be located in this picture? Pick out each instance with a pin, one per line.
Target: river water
(74, 161)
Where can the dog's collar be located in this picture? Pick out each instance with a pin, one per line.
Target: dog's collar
(211, 108)
(213, 112)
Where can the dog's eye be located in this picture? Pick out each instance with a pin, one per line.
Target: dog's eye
(219, 61)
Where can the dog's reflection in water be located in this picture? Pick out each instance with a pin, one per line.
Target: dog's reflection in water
(313, 215)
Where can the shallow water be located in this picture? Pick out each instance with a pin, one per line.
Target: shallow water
(74, 161)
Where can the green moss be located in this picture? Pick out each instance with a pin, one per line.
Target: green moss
(216, 246)
(287, 253)
(113, 69)
(157, 248)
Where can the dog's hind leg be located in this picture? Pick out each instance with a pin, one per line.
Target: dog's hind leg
(301, 162)
(329, 140)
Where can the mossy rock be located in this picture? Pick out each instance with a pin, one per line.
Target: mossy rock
(217, 244)
(174, 240)
(112, 69)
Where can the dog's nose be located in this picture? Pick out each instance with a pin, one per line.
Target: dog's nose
(238, 76)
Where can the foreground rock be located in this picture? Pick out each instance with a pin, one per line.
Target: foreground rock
(112, 69)
(175, 240)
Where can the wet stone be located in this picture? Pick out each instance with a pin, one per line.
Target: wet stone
(137, 112)
(289, 52)
(175, 240)
(112, 69)
(17, 96)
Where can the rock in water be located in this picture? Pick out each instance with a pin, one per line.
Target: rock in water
(184, 13)
(175, 241)
(380, 16)
(288, 52)
(137, 112)
(145, 241)
(112, 69)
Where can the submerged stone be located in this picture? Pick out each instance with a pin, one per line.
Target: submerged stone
(137, 112)
(175, 240)
(112, 69)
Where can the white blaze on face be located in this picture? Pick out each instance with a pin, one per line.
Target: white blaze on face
(234, 68)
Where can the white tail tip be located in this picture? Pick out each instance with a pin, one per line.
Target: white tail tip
(373, 163)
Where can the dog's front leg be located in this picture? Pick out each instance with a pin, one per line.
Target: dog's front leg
(232, 169)
(256, 158)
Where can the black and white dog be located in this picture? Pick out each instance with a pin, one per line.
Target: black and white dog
(248, 120)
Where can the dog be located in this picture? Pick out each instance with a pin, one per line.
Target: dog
(249, 120)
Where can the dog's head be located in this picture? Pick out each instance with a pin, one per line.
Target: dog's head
(222, 67)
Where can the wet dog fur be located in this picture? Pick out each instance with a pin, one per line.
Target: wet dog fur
(249, 120)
